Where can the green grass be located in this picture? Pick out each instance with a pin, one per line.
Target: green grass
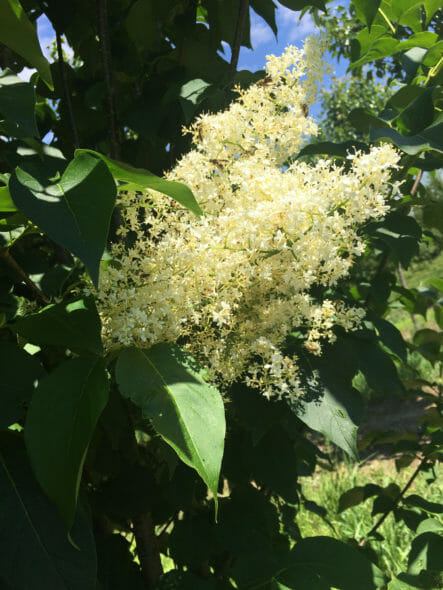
(325, 488)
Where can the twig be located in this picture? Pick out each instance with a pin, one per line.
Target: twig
(397, 499)
(62, 67)
(13, 264)
(146, 541)
(416, 184)
(147, 550)
(239, 32)
(105, 49)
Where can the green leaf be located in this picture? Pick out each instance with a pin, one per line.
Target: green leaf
(436, 283)
(59, 426)
(75, 212)
(402, 234)
(429, 343)
(17, 101)
(19, 371)
(396, 584)
(428, 139)
(329, 415)
(419, 502)
(191, 94)
(366, 10)
(356, 495)
(300, 4)
(185, 410)
(335, 563)
(406, 12)
(6, 203)
(17, 32)
(266, 9)
(141, 24)
(74, 325)
(371, 45)
(390, 336)
(362, 120)
(426, 553)
(431, 7)
(331, 405)
(249, 530)
(418, 115)
(145, 179)
(430, 525)
(378, 368)
(423, 39)
(329, 148)
(403, 97)
(35, 551)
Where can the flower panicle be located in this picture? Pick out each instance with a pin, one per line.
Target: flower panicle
(232, 284)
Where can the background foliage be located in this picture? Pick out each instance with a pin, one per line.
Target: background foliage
(106, 459)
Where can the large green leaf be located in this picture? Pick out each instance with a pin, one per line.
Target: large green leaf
(366, 10)
(426, 553)
(300, 4)
(17, 100)
(402, 234)
(406, 12)
(76, 211)
(17, 32)
(378, 368)
(141, 24)
(145, 179)
(266, 9)
(331, 405)
(428, 139)
(191, 94)
(334, 564)
(185, 410)
(74, 325)
(417, 115)
(330, 415)
(362, 119)
(59, 426)
(371, 45)
(18, 370)
(328, 148)
(6, 203)
(431, 7)
(35, 551)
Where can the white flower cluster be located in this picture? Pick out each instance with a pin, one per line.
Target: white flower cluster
(232, 284)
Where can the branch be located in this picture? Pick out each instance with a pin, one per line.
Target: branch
(146, 540)
(147, 549)
(239, 32)
(416, 184)
(13, 264)
(62, 67)
(105, 50)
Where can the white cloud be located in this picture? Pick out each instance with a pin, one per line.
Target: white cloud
(290, 27)
(260, 31)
